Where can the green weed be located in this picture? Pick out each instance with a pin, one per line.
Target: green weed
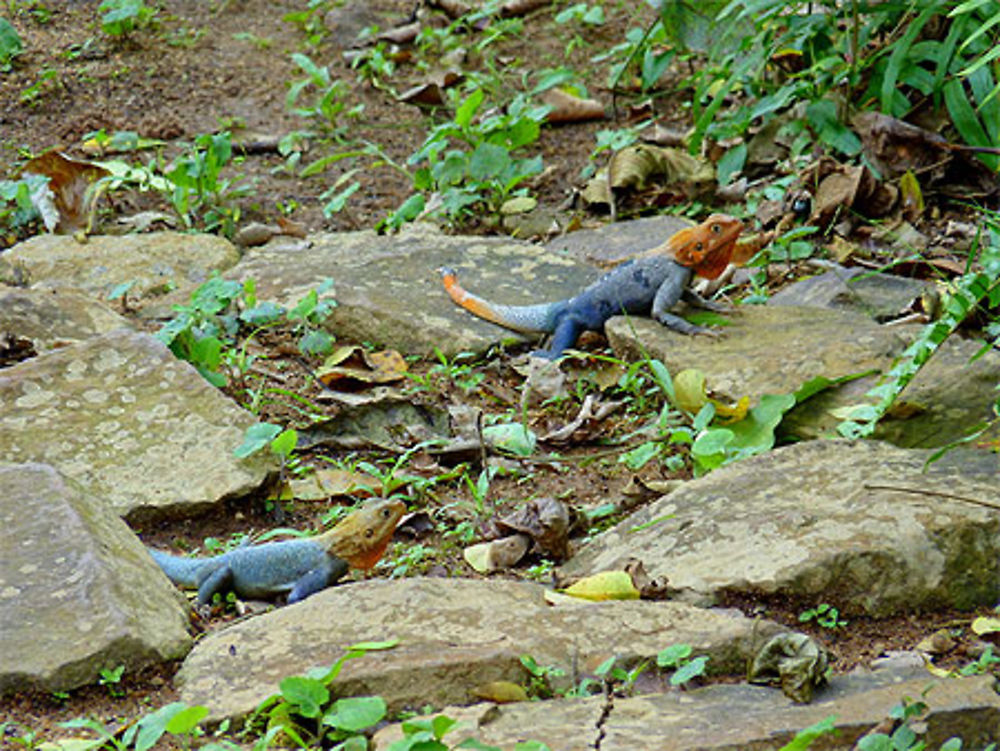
(825, 615)
(121, 17)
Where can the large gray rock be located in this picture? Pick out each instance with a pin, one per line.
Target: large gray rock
(879, 296)
(454, 635)
(774, 350)
(389, 292)
(155, 261)
(78, 592)
(733, 717)
(52, 318)
(859, 525)
(618, 241)
(131, 423)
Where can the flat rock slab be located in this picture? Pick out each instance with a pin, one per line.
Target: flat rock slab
(454, 635)
(156, 262)
(78, 592)
(774, 350)
(53, 318)
(132, 424)
(859, 525)
(619, 240)
(878, 296)
(732, 717)
(388, 290)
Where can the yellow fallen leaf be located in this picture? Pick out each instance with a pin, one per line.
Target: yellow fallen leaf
(324, 483)
(727, 413)
(689, 390)
(502, 692)
(607, 585)
(985, 625)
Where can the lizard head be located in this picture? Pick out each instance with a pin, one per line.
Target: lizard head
(708, 247)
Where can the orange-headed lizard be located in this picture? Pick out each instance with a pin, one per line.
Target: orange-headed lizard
(652, 282)
(297, 567)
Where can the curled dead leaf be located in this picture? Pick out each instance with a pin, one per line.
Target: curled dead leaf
(75, 186)
(606, 585)
(496, 555)
(352, 367)
(546, 521)
(569, 108)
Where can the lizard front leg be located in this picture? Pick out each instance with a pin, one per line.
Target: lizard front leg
(693, 298)
(318, 579)
(567, 331)
(669, 293)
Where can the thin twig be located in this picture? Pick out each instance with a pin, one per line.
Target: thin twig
(920, 491)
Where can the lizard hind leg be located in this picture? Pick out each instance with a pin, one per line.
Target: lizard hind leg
(220, 580)
(567, 331)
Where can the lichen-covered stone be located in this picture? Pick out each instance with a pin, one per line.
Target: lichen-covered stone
(78, 592)
(132, 424)
(155, 261)
(860, 525)
(729, 717)
(389, 292)
(51, 318)
(454, 635)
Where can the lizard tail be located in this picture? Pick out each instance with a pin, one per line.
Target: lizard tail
(528, 319)
(181, 571)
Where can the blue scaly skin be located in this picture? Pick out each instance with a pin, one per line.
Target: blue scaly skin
(651, 283)
(298, 568)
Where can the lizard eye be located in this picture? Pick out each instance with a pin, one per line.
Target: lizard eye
(716, 228)
(698, 246)
(369, 532)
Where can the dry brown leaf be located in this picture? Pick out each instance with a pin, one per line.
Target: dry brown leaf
(568, 108)
(544, 520)
(353, 367)
(73, 184)
(511, 8)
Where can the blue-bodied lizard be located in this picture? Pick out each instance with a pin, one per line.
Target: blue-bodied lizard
(297, 567)
(653, 282)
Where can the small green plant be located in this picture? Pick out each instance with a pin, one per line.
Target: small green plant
(111, 678)
(327, 96)
(983, 664)
(462, 374)
(677, 657)
(280, 442)
(27, 739)
(261, 43)
(966, 295)
(207, 331)
(303, 710)
(540, 677)
(121, 17)
(10, 44)
(18, 212)
(310, 20)
(47, 81)
(177, 719)
(200, 194)
(825, 615)
(468, 162)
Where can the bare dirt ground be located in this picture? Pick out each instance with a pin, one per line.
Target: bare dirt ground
(203, 67)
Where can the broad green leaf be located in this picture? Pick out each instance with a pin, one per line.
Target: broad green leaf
(284, 443)
(637, 458)
(731, 163)
(154, 725)
(356, 713)
(10, 43)
(671, 656)
(306, 695)
(257, 437)
(512, 436)
(467, 109)
(804, 738)
(689, 670)
(186, 720)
